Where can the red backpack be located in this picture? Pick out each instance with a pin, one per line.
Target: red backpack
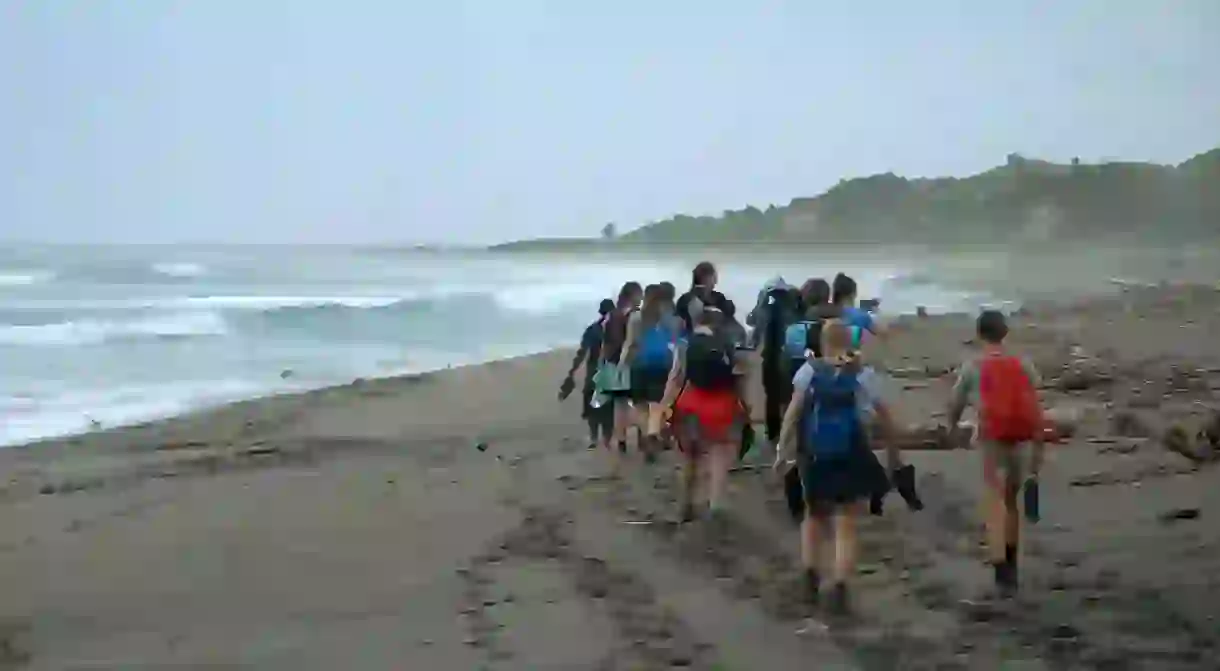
(1009, 411)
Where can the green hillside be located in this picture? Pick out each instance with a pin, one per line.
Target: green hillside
(1024, 199)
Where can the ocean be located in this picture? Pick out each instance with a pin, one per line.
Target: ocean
(113, 335)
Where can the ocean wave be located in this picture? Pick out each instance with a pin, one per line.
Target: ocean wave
(35, 417)
(93, 332)
(24, 278)
(529, 299)
(180, 269)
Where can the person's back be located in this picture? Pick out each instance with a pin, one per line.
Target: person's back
(614, 336)
(1003, 389)
(709, 360)
(833, 427)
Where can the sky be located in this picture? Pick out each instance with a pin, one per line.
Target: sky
(464, 121)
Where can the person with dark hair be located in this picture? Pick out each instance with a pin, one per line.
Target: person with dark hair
(669, 293)
(652, 338)
(779, 308)
(733, 328)
(1004, 390)
(815, 294)
(613, 375)
(706, 391)
(702, 293)
(599, 419)
(844, 294)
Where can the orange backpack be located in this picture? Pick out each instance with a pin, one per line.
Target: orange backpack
(1009, 412)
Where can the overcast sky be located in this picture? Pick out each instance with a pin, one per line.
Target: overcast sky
(478, 121)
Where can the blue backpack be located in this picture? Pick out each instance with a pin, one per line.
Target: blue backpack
(802, 336)
(796, 340)
(656, 349)
(832, 425)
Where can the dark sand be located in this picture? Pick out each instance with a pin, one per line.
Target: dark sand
(358, 527)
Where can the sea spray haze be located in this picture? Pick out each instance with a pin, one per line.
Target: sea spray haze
(121, 334)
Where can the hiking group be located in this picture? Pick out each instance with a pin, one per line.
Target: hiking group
(677, 368)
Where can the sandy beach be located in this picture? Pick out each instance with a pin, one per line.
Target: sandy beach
(360, 527)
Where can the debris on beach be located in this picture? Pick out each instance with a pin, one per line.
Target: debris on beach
(1177, 439)
(1178, 514)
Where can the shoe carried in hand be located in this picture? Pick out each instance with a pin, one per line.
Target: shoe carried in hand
(566, 388)
(904, 481)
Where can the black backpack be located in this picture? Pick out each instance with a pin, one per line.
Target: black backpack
(709, 361)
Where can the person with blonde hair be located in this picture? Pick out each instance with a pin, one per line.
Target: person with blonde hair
(825, 422)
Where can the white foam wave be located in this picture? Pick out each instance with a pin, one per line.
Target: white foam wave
(22, 278)
(224, 302)
(180, 269)
(276, 302)
(548, 298)
(90, 331)
(27, 418)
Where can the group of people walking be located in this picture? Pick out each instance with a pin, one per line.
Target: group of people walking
(676, 368)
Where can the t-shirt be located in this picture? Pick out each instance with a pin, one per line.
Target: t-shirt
(615, 335)
(966, 390)
(859, 318)
(868, 395)
(690, 304)
(591, 343)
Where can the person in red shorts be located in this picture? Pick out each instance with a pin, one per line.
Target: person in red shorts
(705, 392)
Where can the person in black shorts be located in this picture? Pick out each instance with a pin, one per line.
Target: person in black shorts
(599, 419)
(652, 338)
(614, 372)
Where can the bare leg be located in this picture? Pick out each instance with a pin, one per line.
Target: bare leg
(622, 420)
(993, 508)
(719, 461)
(1012, 517)
(690, 481)
(1037, 454)
(845, 545)
(814, 528)
(845, 542)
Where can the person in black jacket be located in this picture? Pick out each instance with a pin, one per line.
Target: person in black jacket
(600, 419)
(702, 293)
(779, 309)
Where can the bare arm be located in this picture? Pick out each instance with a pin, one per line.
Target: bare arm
(677, 378)
(960, 396)
(579, 359)
(634, 324)
(785, 445)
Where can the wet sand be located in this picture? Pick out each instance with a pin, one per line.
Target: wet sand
(359, 527)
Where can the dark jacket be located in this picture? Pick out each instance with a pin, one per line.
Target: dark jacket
(712, 298)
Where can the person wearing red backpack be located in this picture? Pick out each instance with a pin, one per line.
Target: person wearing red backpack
(1003, 388)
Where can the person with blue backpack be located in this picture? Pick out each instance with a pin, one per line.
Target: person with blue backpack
(652, 338)
(833, 397)
(860, 321)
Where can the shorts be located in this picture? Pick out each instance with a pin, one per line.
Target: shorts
(1004, 463)
(831, 483)
(601, 417)
(648, 385)
(614, 380)
(704, 417)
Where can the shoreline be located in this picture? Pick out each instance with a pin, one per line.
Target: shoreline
(455, 520)
(1012, 307)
